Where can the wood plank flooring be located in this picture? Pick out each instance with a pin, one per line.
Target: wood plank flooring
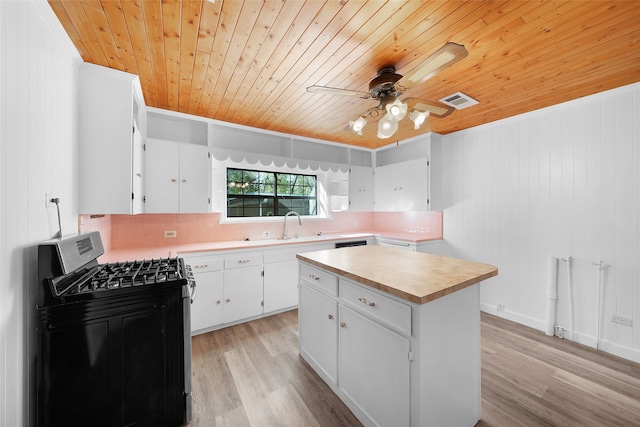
(251, 375)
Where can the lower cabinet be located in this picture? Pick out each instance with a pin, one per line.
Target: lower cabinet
(207, 308)
(242, 293)
(374, 368)
(318, 331)
(280, 285)
(391, 361)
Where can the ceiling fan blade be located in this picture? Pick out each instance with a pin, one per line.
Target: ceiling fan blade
(435, 109)
(336, 91)
(442, 58)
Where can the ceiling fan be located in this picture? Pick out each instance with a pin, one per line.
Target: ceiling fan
(387, 86)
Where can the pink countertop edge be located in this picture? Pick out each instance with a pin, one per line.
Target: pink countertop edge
(132, 254)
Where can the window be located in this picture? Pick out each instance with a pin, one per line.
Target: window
(252, 193)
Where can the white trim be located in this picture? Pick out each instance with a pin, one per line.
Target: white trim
(56, 27)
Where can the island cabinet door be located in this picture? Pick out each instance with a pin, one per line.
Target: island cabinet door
(374, 369)
(318, 332)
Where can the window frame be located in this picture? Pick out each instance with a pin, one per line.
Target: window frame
(276, 198)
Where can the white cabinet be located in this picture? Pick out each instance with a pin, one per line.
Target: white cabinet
(207, 308)
(396, 244)
(361, 188)
(318, 331)
(280, 285)
(110, 171)
(243, 293)
(398, 363)
(374, 368)
(178, 177)
(402, 186)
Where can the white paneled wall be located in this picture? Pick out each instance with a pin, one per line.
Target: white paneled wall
(564, 182)
(38, 106)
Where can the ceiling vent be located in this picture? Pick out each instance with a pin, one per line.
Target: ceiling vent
(459, 101)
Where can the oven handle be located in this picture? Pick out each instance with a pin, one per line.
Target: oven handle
(194, 291)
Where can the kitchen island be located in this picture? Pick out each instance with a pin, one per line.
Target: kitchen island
(395, 334)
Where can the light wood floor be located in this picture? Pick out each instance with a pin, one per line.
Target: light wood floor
(251, 375)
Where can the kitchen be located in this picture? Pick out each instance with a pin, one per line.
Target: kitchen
(560, 181)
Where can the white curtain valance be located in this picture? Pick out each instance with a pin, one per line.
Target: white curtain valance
(268, 160)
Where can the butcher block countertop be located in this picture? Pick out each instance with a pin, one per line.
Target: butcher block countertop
(413, 276)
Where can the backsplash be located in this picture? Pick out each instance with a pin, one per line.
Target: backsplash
(148, 230)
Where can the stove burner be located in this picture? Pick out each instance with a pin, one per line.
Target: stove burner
(118, 275)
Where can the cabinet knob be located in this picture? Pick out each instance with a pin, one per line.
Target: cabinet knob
(173, 180)
(228, 299)
(219, 302)
(342, 324)
(365, 301)
(184, 180)
(201, 266)
(330, 317)
(139, 175)
(314, 277)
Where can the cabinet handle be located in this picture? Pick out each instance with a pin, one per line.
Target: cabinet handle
(228, 299)
(139, 175)
(173, 180)
(330, 317)
(314, 277)
(219, 302)
(365, 301)
(201, 266)
(244, 261)
(342, 324)
(184, 180)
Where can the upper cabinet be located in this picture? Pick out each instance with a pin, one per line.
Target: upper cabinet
(178, 177)
(110, 141)
(402, 177)
(360, 189)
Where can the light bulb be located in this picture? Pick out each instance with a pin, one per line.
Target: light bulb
(397, 109)
(418, 118)
(387, 126)
(358, 125)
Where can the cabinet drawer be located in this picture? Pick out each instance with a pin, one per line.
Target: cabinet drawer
(319, 278)
(242, 261)
(392, 313)
(203, 264)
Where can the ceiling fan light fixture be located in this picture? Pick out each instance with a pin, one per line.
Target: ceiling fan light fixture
(387, 126)
(418, 118)
(397, 109)
(357, 125)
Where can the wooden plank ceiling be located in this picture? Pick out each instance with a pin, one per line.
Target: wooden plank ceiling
(249, 62)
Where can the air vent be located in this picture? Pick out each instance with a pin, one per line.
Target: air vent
(459, 101)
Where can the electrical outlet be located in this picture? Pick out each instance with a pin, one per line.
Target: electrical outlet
(621, 320)
(171, 233)
(266, 234)
(47, 199)
(356, 223)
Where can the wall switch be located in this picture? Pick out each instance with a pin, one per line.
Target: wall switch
(356, 223)
(266, 234)
(621, 320)
(171, 233)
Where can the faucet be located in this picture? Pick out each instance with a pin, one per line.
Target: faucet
(284, 231)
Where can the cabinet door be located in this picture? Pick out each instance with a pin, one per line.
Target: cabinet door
(138, 181)
(243, 293)
(207, 307)
(414, 183)
(195, 179)
(374, 368)
(318, 330)
(360, 188)
(280, 285)
(386, 189)
(162, 177)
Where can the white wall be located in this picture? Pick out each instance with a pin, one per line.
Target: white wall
(563, 181)
(38, 102)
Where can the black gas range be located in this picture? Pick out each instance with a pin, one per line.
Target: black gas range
(114, 340)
